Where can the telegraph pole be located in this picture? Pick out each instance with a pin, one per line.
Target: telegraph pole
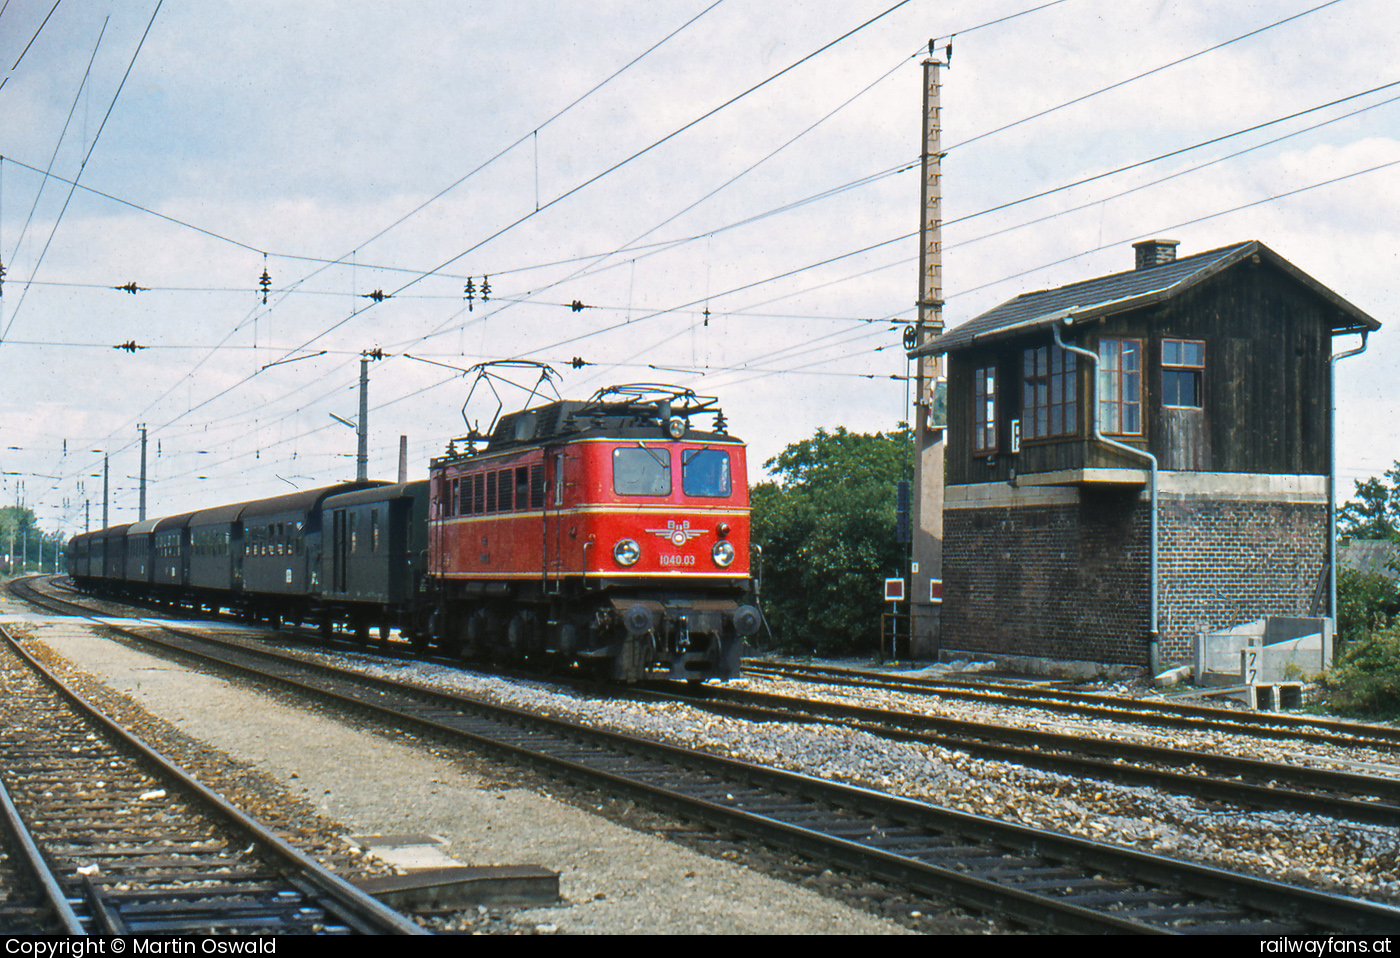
(141, 514)
(926, 576)
(105, 475)
(362, 429)
(403, 459)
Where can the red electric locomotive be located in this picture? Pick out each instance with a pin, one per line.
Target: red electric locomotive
(611, 531)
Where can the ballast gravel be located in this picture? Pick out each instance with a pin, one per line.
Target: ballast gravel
(613, 880)
(1304, 849)
(1298, 848)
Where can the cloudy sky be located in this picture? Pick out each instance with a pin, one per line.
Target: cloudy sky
(729, 187)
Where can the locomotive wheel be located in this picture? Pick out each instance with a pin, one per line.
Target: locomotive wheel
(384, 629)
(439, 629)
(327, 627)
(362, 631)
(520, 636)
(475, 632)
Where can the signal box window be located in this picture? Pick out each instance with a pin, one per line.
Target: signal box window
(705, 472)
(639, 471)
(1183, 368)
(984, 409)
(1049, 400)
(1120, 386)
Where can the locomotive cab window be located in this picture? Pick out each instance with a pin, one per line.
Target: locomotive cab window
(639, 471)
(705, 472)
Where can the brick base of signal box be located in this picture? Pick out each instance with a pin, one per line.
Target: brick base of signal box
(1058, 575)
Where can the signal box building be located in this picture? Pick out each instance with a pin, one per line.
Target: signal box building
(1216, 364)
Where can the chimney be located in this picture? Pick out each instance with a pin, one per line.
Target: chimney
(1155, 252)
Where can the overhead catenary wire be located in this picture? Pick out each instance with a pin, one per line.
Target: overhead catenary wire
(480, 167)
(1066, 259)
(14, 314)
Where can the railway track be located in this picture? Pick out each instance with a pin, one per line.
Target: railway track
(1160, 714)
(1253, 783)
(1038, 877)
(124, 842)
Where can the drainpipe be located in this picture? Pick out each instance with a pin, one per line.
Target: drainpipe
(1154, 656)
(1332, 482)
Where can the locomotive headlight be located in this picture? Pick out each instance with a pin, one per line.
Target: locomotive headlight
(675, 427)
(627, 552)
(722, 553)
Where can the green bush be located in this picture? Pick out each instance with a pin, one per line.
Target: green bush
(1366, 679)
(1366, 601)
(826, 524)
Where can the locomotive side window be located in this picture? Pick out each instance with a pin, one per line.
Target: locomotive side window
(522, 487)
(705, 472)
(478, 493)
(490, 492)
(641, 472)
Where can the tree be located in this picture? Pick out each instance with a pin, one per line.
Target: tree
(826, 525)
(20, 536)
(1374, 512)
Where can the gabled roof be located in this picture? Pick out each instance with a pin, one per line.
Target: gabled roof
(1120, 292)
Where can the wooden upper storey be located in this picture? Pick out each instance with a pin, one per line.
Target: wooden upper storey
(1215, 363)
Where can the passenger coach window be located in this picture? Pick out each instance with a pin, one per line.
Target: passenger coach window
(642, 472)
(705, 472)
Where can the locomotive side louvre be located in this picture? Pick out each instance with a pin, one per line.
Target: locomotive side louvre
(486, 516)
